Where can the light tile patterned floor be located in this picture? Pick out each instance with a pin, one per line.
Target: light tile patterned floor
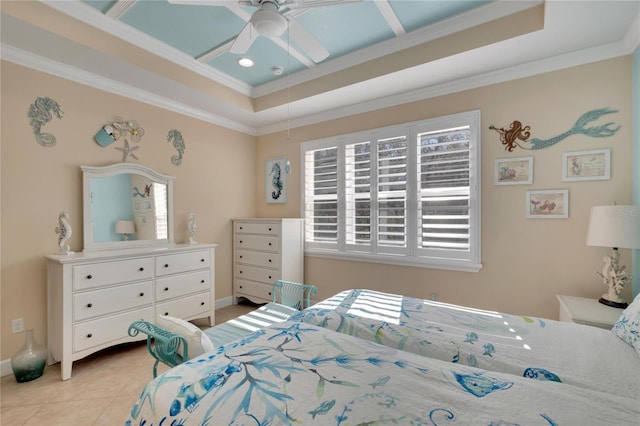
(101, 391)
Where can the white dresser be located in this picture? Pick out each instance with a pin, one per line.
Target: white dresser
(266, 250)
(93, 297)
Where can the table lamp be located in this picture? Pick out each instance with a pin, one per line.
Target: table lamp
(616, 227)
(125, 227)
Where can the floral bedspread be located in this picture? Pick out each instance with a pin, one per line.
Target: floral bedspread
(531, 347)
(297, 373)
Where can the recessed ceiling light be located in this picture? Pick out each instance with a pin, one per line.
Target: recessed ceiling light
(245, 62)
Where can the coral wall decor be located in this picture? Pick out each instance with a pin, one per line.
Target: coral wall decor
(517, 135)
(39, 115)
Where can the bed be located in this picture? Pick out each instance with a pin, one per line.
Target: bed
(531, 347)
(299, 372)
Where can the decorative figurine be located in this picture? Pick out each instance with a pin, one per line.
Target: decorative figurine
(615, 278)
(64, 233)
(191, 226)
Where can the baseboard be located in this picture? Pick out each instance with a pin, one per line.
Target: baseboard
(5, 367)
(223, 303)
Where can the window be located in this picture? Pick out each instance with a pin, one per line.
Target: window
(407, 194)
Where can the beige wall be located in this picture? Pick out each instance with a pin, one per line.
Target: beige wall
(216, 181)
(526, 262)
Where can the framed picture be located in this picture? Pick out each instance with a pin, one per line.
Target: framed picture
(276, 180)
(143, 218)
(586, 165)
(136, 206)
(147, 205)
(514, 171)
(548, 204)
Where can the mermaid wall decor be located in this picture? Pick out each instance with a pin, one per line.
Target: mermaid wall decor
(518, 135)
(40, 113)
(276, 180)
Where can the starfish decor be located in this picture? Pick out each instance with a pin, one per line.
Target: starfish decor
(128, 151)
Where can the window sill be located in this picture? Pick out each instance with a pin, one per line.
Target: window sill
(419, 262)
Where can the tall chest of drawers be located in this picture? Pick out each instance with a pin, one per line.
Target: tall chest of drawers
(266, 250)
(94, 297)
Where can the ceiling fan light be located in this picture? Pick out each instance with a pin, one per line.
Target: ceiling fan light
(268, 23)
(245, 62)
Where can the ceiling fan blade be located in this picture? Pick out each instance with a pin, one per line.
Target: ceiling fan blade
(305, 4)
(307, 42)
(202, 2)
(244, 40)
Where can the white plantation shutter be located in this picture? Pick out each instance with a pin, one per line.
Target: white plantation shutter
(392, 192)
(444, 192)
(407, 194)
(358, 195)
(321, 196)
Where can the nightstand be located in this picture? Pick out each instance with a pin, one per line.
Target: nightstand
(581, 310)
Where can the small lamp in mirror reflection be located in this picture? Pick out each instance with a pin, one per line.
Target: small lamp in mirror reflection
(126, 228)
(616, 227)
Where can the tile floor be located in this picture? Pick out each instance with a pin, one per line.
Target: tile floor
(102, 389)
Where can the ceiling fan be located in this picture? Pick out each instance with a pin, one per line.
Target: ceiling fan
(272, 19)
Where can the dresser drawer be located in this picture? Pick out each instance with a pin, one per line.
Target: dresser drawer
(256, 242)
(183, 284)
(262, 291)
(105, 273)
(270, 260)
(186, 307)
(257, 228)
(267, 276)
(100, 302)
(101, 331)
(182, 262)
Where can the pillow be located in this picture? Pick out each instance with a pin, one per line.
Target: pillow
(628, 326)
(197, 342)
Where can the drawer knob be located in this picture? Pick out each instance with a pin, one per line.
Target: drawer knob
(166, 265)
(269, 260)
(240, 241)
(201, 281)
(141, 269)
(201, 303)
(89, 336)
(241, 256)
(166, 289)
(269, 244)
(240, 286)
(89, 305)
(89, 277)
(269, 276)
(241, 227)
(166, 313)
(269, 293)
(269, 229)
(201, 260)
(141, 294)
(240, 271)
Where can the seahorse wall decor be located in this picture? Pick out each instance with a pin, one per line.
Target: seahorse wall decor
(518, 136)
(175, 137)
(39, 115)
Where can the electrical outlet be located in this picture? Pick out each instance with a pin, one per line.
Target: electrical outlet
(17, 325)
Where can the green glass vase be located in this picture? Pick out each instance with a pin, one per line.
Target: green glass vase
(30, 361)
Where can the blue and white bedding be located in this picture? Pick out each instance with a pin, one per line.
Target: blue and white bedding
(531, 347)
(297, 373)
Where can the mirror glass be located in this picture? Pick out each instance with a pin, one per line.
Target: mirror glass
(126, 205)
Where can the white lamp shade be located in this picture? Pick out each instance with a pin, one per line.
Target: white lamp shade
(125, 227)
(614, 226)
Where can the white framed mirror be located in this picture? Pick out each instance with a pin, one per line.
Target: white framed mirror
(126, 206)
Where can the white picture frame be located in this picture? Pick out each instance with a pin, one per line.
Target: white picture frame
(586, 165)
(513, 171)
(275, 178)
(547, 204)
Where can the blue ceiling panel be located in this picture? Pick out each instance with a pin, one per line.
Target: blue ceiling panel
(101, 5)
(369, 28)
(191, 29)
(265, 54)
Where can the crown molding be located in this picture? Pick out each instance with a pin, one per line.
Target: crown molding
(58, 69)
